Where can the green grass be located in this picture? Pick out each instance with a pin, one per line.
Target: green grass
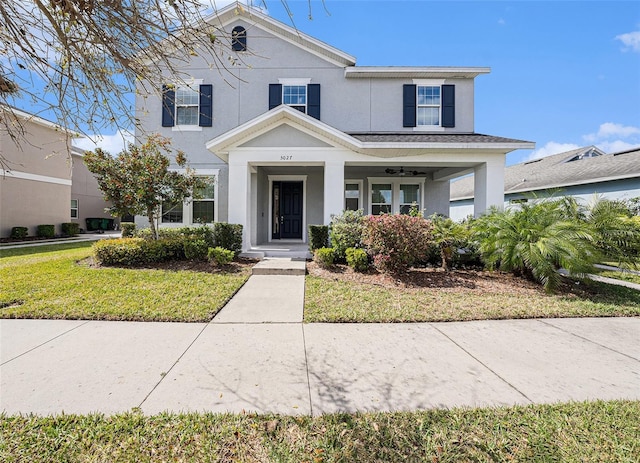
(48, 282)
(574, 432)
(344, 301)
(625, 276)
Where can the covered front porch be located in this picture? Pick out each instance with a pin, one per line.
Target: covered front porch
(288, 170)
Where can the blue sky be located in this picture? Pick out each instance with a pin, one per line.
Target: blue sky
(564, 74)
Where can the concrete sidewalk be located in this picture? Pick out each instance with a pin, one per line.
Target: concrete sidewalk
(257, 355)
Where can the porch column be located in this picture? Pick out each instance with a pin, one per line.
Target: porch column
(333, 189)
(488, 186)
(239, 196)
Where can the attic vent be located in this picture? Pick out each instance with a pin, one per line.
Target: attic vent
(590, 153)
(531, 162)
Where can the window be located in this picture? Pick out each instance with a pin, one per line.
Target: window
(74, 208)
(428, 105)
(295, 96)
(172, 212)
(204, 206)
(395, 195)
(239, 39)
(409, 196)
(187, 107)
(352, 195)
(297, 93)
(381, 195)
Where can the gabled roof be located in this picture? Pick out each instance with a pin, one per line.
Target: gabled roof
(374, 144)
(25, 116)
(232, 12)
(576, 167)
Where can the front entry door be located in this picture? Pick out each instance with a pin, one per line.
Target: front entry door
(287, 210)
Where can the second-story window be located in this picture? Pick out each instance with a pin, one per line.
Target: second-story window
(295, 96)
(187, 106)
(428, 105)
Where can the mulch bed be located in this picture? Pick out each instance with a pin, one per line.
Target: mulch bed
(237, 266)
(458, 280)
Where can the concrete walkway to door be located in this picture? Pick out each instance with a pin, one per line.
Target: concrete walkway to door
(257, 355)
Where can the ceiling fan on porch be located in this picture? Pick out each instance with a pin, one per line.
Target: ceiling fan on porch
(402, 172)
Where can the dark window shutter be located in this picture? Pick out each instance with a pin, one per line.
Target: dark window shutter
(448, 106)
(239, 39)
(168, 106)
(313, 100)
(275, 95)
(206, 105)
(408, 105)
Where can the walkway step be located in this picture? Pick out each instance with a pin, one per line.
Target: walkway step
(280, 266)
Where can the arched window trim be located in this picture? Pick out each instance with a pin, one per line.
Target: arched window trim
(239, 39)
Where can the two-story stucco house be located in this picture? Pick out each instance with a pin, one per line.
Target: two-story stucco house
(296, 132)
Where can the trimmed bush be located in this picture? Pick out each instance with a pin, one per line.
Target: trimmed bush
(123, 251)
(228, 236)
(324, 257)
(318, 237)
(346, 232)
(128, 229)
(357, 259)
(195, 249)
(46, 231)
(18, 233)
(397, 241)
(70, 229)
(220, 256)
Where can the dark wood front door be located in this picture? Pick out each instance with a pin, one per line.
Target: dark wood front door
(287, 210)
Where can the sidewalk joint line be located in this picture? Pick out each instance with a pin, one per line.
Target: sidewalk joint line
(166, 373)
(587, 339)
(306, 362)
(46, 342)
(482, 363)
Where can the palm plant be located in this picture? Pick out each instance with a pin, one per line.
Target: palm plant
(537, 240)
(448, 236)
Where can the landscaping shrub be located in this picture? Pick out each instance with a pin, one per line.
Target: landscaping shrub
(46, 231)
(357, 259)
(448, 236)
(397, 241)
(70, 228)
(203, 233)
(536, 240)
(123, 251)
(220, 256)
(346, 232)
(195, 249)
(228, 236)
(18, 233)
(318, 236)
(324, 257)
(128, 229)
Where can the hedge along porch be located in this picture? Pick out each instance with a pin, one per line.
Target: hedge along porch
(287, 170)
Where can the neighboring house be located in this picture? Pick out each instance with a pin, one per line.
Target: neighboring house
(87, 201)
(294, 132)
(581, 173)
(35, 182)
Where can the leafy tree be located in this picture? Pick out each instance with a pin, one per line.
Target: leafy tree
(138, 180)
(536, 240)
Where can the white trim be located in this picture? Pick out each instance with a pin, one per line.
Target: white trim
(422, 72)
(360, 183)
(187, 206)
(191, 84)
(428, 82)
(289, 178)
(36, 177)
(77, 208)
(395, 190)
(296, 81)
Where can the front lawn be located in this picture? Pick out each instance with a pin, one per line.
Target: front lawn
(427, 295)
(58, 282)
(575, 432)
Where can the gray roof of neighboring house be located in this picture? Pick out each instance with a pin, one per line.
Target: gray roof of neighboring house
(560, 170)
(413, 137)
